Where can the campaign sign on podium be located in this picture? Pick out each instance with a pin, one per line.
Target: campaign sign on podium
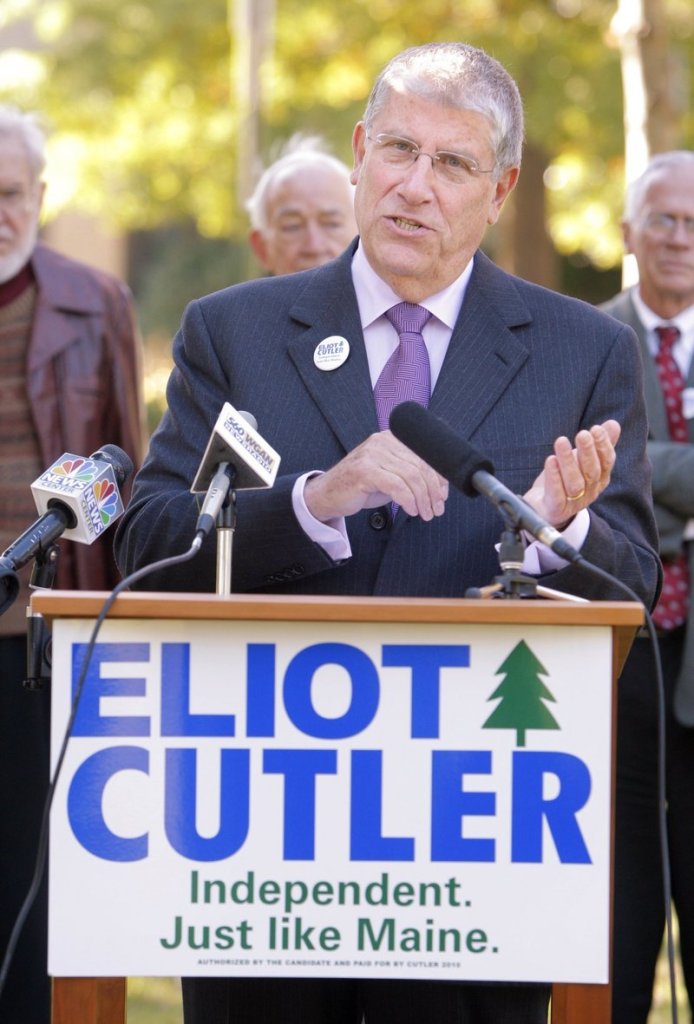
(419, 799)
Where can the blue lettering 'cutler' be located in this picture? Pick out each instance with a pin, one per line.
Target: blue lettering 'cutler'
(462, 784)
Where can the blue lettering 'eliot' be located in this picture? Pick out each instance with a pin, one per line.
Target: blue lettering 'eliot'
(176, 719)
(426, 662)
(364, 697)
(89, 721)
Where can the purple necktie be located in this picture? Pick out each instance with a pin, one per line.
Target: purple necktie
(671, 610)
(406, 376)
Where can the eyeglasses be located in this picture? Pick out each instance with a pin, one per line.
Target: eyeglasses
(666, 224)
(452, 167)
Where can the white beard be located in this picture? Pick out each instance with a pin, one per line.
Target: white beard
(13, 262)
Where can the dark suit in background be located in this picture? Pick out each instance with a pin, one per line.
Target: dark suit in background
(523, 366)
(659, 229)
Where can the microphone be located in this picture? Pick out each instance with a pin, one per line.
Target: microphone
(236, 455)
(78, 498)
(470, 472)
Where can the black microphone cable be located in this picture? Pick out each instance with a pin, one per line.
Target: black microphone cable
(42, 849)
(454, 458)
(661, 782)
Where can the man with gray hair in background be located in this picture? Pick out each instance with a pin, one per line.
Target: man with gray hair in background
(658, 228)
(70, 382)
(302, 209)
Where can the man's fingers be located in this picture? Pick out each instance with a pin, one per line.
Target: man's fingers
(381, 469)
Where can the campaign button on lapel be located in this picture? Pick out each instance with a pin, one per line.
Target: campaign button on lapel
(331, 352)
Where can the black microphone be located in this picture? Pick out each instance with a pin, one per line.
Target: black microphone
(78, 498)
(470, 472)
(235, 455)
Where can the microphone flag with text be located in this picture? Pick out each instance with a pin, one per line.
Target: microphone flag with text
(236, 457)
(77, 497)
(459, 462)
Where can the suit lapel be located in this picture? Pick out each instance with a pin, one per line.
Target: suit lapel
(659, 429)
(484, 355)
(328, 307)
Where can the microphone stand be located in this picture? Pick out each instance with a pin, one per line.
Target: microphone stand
(511, 582)
(226, 524)
(38, 635)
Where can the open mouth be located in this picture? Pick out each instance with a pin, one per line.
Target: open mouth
(407, 225)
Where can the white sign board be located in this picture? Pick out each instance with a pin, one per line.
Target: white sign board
(332, 799)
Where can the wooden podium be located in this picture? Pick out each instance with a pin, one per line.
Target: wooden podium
(102, 1000)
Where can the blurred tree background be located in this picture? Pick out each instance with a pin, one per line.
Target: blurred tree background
(163, 114)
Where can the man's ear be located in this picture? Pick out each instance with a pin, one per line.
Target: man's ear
(258, 244)
(358, 147)
(626, 235)
(504, 187)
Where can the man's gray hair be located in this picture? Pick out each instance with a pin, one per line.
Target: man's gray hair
(461, 76)
(299, 151)
(25, 126)
(636, 190)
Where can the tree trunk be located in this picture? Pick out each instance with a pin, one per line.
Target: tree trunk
(638, 30)
(663, 120)
(520, 242)
(251, 27)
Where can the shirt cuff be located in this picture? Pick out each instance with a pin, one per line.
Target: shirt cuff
(331, 536)
(540, 559)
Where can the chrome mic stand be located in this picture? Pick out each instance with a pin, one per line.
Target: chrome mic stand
(511, 582)
(226, 524)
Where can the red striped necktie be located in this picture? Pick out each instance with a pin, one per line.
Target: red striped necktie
(672, 607)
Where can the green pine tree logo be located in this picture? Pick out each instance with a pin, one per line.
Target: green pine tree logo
(522, 695)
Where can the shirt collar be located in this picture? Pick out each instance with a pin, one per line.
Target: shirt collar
(651, 320)
(374, 296)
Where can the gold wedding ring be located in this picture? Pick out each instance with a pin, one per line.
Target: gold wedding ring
(576, 497)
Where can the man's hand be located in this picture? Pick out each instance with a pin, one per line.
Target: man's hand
(380, 470)
(574, 477)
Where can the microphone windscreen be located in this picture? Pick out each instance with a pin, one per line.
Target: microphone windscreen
(249, 418)
(437, 444)
(120, 461)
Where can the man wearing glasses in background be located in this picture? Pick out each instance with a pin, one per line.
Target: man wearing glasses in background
(70, 381)
(541, 383)
(658, 228)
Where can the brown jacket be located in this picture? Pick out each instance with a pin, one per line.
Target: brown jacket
(84, 379)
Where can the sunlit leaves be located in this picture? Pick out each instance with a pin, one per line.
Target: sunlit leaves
(148, 132)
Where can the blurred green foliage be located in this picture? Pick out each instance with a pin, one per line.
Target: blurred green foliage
(147, 130)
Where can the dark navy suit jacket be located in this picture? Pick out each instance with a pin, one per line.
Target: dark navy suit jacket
(524, 366)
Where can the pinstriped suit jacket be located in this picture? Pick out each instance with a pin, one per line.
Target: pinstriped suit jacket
(524, 366)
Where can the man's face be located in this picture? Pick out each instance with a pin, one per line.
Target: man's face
(310, 220)
(419, 230)
(20, 205)
(661, 237)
